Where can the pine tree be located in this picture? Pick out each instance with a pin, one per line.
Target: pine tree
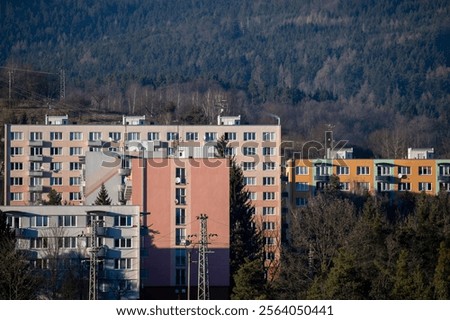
(102, 197)
(250, 283)
(17, 281)
(245, 240)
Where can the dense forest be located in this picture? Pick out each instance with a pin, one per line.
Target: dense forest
(342, 247)
(377, 71)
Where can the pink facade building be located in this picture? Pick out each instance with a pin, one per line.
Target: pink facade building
(172, 194)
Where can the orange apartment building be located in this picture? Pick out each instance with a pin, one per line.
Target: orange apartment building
(418, 173)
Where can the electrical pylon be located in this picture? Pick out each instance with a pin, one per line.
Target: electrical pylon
(203, 277)
(93, 261)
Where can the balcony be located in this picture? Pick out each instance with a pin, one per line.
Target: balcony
(37, 158)
(36, 188)
(321, 177)
(36, 143)
(383, 178)
(95, 143)
(444, 178)
(36, 173)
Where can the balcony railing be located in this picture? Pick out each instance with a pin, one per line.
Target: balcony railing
(38, 158)
(444, 178)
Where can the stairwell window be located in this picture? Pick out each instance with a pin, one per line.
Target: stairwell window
(180, 216)
(180, 236)
(180, 196)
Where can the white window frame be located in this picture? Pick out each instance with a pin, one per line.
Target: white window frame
(248, 166)
(249, 136)
(249, 181)
(342, 170)
(425, 170)
(268, 181)
(301, 170)
(75, 196)
(56, 135)
(16, 196)
(268, 151)
(404, 186)
(230, 136)
(268, 211)
(16, 166)
(269, 166)
(67, 221)
(248, 151)
(76, 136)
(425, 186)
(268, 136)
(268, 195)
(362, 170)
(56, 181)
(16, 135)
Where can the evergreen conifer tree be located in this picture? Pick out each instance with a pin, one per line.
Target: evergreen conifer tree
(102, 197)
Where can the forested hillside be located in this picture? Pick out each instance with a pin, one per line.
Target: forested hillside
(376, 70)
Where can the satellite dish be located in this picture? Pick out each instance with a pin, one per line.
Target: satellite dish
(176, 201)
(177, 180)
(400, 176)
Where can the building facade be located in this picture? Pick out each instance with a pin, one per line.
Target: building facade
(75, 160)
(58, 239)
(307, 176)
(174, 193)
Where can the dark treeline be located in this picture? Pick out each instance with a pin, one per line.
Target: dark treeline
(342, 247)
(377, 70)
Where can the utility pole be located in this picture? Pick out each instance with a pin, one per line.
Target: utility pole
(203, 277)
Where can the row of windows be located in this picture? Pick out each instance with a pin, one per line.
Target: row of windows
(37, 181)
(381, 186)
(54, 151)
(119, 264)
(265, 196)
(37, 166)
(68, 221)
(266, 181)
(251, 166)
(365, 170)
(116, 136)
